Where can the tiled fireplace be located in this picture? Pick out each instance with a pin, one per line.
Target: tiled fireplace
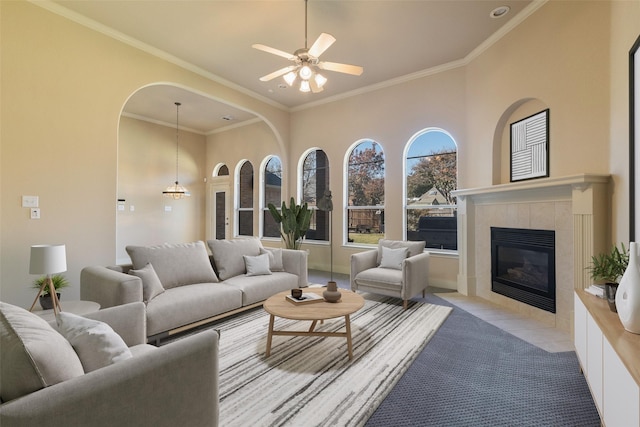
(575, 208)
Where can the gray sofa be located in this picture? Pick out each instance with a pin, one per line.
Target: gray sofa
(176, 384)
(183, 286)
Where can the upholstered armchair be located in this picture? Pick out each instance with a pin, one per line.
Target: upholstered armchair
(397, 269)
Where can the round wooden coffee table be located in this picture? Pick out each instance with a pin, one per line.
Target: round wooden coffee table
(277, 305)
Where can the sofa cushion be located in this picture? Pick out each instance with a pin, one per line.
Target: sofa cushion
(275, 258)
(227, 255)
(188, 304)
(151, 286)
(257, 265)
(176, 264)
(33, 354)
(259, 288)
(392, 258)
(380, 277)
(415, 248)
(96, 344)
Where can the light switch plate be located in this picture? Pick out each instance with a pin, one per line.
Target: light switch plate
(35, 213)
(29, 201)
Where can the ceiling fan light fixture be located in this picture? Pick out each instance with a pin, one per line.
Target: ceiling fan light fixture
(290, 77)
(320, 80)
(306, 72)
(304, 86)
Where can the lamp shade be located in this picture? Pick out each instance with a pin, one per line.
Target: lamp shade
(48, 259)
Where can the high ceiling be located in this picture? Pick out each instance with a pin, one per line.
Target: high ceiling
(391, 39)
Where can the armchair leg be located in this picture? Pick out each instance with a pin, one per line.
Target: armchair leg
(404, 304)
(424, 293)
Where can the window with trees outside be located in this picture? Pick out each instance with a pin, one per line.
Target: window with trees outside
(431, 175)
(365, 193)
(271, 193)
(314, 181)
(245, 200)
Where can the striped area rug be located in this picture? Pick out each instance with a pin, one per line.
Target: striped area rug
(309, 381)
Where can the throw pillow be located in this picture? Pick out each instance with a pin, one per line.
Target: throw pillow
(415, 248)
(96, 344)
(257, 265)
(33, 354)
(151, 286)
(175, 264)
(392, 258)
(275, 258)
(227, 255)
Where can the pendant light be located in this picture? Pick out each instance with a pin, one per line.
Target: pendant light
(176, 191)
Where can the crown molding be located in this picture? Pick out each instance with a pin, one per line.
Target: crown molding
(110, 32)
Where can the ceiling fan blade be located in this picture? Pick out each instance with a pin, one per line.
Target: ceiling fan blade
(274, 51)
(321, 44)
(278, 73)
(341, 68)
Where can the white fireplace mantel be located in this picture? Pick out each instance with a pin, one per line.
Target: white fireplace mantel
(576, 206)
(531, 188)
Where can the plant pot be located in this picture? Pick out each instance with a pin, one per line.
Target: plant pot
(45, 301)
(332, 294)
(610, 294)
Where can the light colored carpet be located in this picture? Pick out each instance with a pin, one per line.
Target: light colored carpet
(309, 381)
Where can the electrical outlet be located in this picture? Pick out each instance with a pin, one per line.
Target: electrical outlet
(35, 213)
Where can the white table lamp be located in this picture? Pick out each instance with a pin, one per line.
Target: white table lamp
(48, 259)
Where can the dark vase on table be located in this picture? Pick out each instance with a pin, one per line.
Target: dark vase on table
(610, 289)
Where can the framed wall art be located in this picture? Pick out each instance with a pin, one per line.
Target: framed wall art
(634, 139)
(530, 147)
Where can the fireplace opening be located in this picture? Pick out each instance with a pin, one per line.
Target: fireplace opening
(523, 266)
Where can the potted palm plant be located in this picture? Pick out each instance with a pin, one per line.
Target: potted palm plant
(59, 282)
(608, 268)
(294, 222)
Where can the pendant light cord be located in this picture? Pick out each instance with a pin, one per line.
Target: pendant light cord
(177, 139)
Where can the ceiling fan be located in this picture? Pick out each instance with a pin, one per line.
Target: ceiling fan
(306, 61)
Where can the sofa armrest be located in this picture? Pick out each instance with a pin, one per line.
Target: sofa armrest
(108, 287)
(295, 262)
(415, 272)
(362, 261)
(128, 320)
(176, 384)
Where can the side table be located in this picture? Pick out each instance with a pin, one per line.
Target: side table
(74, 307)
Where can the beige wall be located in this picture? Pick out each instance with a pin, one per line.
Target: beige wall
(63, 88)
(391, 117)
(254, 142)
(146, 166)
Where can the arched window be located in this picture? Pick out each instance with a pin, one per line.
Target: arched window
(314, 181)
(365, 193)
(271, 193)
(223, 170)
(245, 200)
(431, 174)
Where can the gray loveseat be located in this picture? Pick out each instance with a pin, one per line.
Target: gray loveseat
(183, 286)
(42, 382)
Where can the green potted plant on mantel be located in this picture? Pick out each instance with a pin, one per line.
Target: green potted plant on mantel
(59, 282)
(294, 222)
(608, 268)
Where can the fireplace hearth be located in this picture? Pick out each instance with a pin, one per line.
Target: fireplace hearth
(523, 266)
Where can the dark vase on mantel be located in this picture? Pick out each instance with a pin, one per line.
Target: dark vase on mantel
(610, 289)
(45, 301)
